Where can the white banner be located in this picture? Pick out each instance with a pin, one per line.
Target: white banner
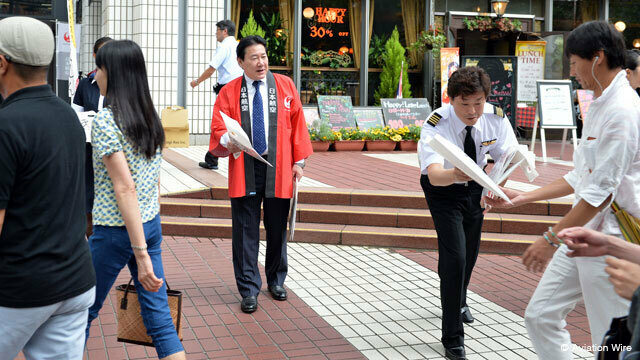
(63, 49)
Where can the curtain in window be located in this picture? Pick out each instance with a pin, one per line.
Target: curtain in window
(355, 21)
(235, 15)
(287, 17)
(413, 17)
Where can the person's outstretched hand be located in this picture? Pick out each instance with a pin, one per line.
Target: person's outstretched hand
(624, 275)
(584, 242)
(146, 276)
(493, 201)
(537, 255)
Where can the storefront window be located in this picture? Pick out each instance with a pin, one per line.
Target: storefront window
(519, 7)
(26, 7)
(627, 12)
(568, 14)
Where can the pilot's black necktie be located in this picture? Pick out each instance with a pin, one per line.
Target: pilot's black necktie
(469, 144)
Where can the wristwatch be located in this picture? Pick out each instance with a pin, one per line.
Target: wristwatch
(301, 164)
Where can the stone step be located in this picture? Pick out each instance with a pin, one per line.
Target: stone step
(362, 216)
(386, 199)
(347, 234)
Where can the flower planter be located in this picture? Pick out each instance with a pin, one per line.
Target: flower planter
(408, 145)
(319, 146)
(381, 145)
(348, 145)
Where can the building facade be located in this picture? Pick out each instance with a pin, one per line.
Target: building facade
(339, 48)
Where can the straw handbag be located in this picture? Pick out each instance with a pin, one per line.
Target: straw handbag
(629, 225)
(131, 329)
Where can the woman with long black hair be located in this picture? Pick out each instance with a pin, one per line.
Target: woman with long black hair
(127, 139)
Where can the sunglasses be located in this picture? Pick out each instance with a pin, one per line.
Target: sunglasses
(7, 57)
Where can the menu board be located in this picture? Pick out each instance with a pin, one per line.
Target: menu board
(310, 114)
(368, 117)
(404, 112)
(555, 105)
(502, 70)
(337, 110)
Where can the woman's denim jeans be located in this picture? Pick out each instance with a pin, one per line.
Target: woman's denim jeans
(111, 251)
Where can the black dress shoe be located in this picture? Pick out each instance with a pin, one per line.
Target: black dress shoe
(249, 304)
(455, 353)
(278, 292)
(206, 165)
(467, 318)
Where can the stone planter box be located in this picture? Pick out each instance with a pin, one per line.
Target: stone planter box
(348, 145)
(320, 146)
(408, 145)
(380, 145)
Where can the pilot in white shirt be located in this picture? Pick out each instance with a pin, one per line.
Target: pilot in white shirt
(477, 128)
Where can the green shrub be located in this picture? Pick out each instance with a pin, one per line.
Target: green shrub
(393, 59)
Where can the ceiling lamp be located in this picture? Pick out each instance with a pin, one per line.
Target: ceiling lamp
(499, 6)
(636, 43)
(620, 26)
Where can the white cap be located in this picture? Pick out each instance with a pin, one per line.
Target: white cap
(26, 41)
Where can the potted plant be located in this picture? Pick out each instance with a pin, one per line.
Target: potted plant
(321, 135)
(394, 63)
(379, 139)
(348, 139)
(410, 135)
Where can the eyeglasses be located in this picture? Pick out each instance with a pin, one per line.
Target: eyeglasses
(7, 57)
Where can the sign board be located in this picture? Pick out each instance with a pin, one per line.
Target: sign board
(310, 114)
(63, 49)
(337, 110)
(530, 68)
(449, 63)
(585, 98)
(502, 70)
(555, 105)
(368, 117)
(404, 112)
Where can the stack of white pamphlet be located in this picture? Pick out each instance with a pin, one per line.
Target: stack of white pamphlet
(292, 212)
(240, 138)
(513, 158)
(86, 120)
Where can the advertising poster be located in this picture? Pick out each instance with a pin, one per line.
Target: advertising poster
(449, 63)
(531, 56)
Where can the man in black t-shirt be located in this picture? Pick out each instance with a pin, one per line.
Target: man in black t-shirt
(47, 278)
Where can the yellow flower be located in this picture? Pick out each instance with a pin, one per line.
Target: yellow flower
(396, 138)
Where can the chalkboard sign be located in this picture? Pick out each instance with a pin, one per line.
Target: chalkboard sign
(368, 117)
(337, 110)
(404, 112)
(310, 114)
(502, 70)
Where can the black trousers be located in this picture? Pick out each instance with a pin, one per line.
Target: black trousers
(457, 217)
(245, 218)
(208, 158)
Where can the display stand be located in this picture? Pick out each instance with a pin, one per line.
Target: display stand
(555, 111)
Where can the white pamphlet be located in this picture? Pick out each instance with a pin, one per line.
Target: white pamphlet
(240, 138)
(459, 159)
(292, 212)
(86, 120)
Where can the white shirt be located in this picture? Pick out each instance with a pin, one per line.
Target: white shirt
(225, 61)
(491, 134)
(607, 160)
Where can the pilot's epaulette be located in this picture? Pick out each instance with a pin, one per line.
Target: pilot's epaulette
(434, 119)
(498, 111)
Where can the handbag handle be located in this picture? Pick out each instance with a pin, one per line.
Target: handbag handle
(123, 302)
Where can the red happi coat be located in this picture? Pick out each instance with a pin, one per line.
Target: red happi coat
(293, 142)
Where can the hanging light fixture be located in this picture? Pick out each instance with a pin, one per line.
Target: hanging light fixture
(308, 13)
(499, 6)
(620, 26)
(636, 43)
